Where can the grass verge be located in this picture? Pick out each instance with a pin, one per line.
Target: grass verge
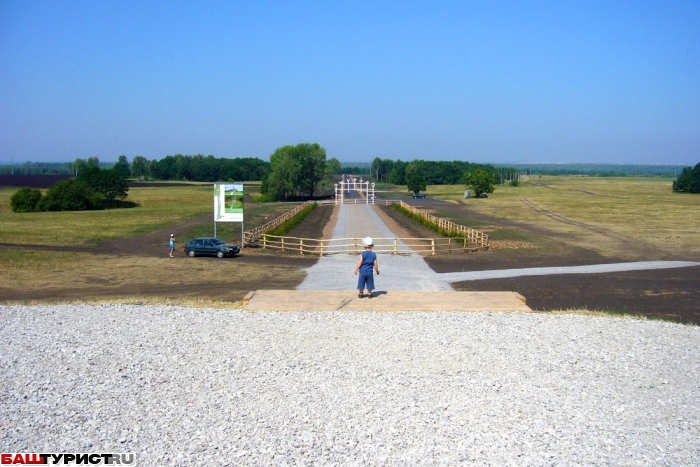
(289, 224)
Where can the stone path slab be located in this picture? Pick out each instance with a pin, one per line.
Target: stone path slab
(383, 301)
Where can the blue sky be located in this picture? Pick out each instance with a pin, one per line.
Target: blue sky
(485, 81)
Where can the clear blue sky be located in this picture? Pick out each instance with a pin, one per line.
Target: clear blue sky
(487, 81)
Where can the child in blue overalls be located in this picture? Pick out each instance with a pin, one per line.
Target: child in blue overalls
(368, 260)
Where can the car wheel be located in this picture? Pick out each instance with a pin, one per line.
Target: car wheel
(191, 253)
(219, 254)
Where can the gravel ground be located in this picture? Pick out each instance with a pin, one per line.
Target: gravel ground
(183, 386)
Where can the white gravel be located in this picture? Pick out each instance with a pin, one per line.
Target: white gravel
(183, 386)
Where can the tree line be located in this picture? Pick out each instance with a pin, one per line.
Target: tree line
(601, 170)
(200, 168)
(176, 167)
(434, 172)
(688, 181)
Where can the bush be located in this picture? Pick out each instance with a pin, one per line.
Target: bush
(514, 182)
(70, 195)
(688, 181)
(25, 200)
(262, 198)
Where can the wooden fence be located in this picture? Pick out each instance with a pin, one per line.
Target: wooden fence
(252, 236)
(312, 246)
(473, 236)
(471, 240)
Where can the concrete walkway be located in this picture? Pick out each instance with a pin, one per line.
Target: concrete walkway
(401, 272)
(397, 272)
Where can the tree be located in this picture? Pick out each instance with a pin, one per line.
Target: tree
(93, 162)
(108, 183)
(688, 181)
(78, 166)
(296, 170)
(333, 166)
(25, 200)
(122, 167)
(416, 184)
(139, 167)
(480, 181)
(313, 166)
(280, 182)
(70, 195)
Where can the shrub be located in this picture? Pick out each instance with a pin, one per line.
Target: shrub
(70, 195)
(514, 182)
(262, 198)
(25, 200)
(688, 181)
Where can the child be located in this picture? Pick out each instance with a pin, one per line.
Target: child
(172, 245)
(368, 259)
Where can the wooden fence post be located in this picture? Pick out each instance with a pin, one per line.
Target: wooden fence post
(432, 241)
(395, 241)
(282, 243)
(301, 246)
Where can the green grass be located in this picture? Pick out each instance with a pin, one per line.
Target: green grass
(158, 207)
(644, 208)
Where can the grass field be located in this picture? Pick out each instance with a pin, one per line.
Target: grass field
(591, 209)
(158, 207)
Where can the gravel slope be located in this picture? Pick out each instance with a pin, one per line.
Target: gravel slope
(183, 386)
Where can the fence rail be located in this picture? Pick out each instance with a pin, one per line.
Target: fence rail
(252, 236)
(406, 246)
(332, 202)
(474, 236)
(471, 240)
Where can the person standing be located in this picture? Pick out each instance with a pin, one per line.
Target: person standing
(367, 261)
(172, 245)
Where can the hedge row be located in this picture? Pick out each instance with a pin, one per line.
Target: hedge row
(289, 224)
(431, 225)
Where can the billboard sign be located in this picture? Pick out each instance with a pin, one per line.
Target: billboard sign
(228, 202)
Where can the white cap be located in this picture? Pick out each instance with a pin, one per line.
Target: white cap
(367, 241)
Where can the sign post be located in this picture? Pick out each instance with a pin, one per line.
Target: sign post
(228, 204)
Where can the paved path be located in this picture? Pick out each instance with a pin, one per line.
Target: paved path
(397, 272)
(401, 272)
(359, 221)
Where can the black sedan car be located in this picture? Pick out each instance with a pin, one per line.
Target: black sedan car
(210, 246)
(418, 195)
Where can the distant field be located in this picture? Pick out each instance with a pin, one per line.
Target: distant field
(590, 208)
(158, 207)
